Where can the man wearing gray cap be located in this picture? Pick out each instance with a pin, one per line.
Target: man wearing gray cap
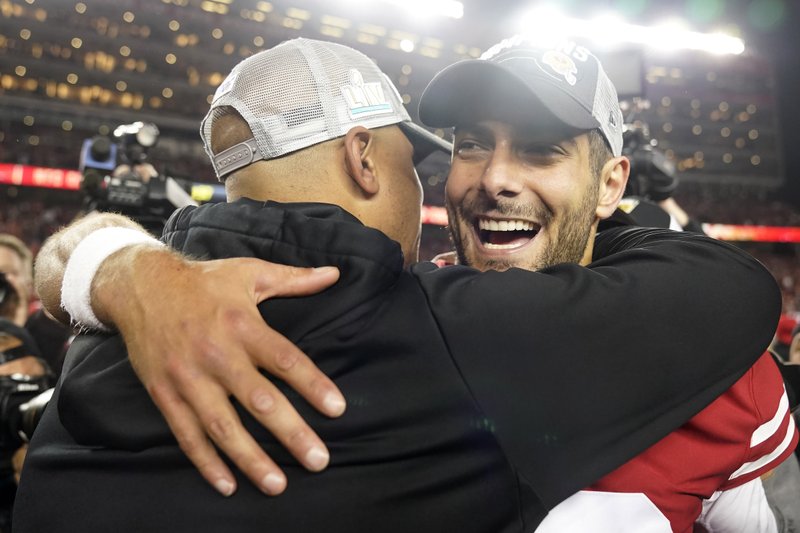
(529, 96)
(473, 406)
(507, 174)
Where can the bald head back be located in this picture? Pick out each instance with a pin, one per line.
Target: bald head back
(302, 176)
(367, 172)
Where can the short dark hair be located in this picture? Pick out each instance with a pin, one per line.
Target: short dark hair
(599, 151)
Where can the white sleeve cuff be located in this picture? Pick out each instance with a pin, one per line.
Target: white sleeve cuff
(82, 267)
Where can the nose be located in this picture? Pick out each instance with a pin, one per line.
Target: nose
(501, 177)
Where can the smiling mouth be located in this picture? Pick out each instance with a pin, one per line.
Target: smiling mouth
(505, 234)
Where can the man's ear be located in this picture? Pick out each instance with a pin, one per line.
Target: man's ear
(358, 147)
(613, 179)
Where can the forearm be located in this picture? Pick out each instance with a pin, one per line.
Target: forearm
(623, 352)
(51, 262)
(194, 335)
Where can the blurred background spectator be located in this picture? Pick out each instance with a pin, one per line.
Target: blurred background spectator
(723, 110)
(711, 82)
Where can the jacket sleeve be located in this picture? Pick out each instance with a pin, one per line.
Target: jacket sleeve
(581, 368)
(101, 401)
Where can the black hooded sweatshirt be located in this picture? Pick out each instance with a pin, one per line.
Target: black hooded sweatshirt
(476, 402)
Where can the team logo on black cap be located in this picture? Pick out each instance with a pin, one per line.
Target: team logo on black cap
(561, 65)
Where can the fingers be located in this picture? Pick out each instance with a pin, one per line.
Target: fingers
(280, 358)
(272, 351)
(238, 374)
(223, 426)
(192, 440)
(273, 411)
(221, 423)
(196, 405)
(280, 280)
(192, 380)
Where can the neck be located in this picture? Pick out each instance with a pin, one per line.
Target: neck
(587, 253)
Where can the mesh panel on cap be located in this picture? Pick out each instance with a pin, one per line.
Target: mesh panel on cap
(292, 96)
(607, 112)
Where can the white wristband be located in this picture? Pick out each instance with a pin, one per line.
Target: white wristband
(82, 267)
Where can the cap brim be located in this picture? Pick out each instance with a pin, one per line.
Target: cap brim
(478, 90)
(425, 143)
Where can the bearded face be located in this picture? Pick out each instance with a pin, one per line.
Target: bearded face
(520, 200)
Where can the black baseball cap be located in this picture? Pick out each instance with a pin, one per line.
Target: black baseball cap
(519, 76)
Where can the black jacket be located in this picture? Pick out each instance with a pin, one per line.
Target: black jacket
(475, 401)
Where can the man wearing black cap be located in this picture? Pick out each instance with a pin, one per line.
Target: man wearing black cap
(521, 194)
(472, 404)
(521, 100)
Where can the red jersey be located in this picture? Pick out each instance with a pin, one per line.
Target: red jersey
(743, 434)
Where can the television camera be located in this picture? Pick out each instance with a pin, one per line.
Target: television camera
(22, 397)
(653, 175)
(117, 177)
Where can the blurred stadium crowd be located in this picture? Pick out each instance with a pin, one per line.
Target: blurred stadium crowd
(73, 70)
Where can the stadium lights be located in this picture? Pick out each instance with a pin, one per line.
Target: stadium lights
(407, 45)
(430, 8)
(547, 23)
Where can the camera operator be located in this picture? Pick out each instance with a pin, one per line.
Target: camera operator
(24, 373)
(117, 177)
(652, 183)
(23, 376)
(16, 285)
(143, 171)
(648, 199)
(16, 294)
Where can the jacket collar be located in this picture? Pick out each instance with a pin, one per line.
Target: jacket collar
(299, 234)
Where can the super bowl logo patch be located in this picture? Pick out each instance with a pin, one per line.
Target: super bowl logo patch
(364, 99)
(560, 65)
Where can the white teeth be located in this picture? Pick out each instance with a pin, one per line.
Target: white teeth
(505, 225)
(490, 246)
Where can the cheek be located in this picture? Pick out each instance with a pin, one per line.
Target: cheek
(405, 180)
(409, 197)
(565, 198)
(456, 188)
(415, 192)
(564, 193)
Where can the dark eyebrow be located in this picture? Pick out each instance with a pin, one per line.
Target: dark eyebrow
(476, 129)
(479, 130)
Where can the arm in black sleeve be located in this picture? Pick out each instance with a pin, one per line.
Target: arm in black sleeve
(582, 368)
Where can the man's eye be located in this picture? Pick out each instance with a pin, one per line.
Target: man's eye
(468, 147)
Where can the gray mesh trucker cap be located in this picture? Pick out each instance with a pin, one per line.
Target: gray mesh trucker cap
(520, 75)
(304, 92)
